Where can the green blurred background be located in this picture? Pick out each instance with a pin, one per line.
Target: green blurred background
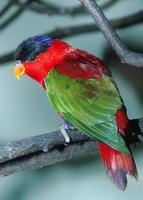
(25, 110)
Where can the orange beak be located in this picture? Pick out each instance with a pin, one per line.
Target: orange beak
(19, 70)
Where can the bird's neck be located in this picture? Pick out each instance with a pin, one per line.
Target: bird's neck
(39, 68)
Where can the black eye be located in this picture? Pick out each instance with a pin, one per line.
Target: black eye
(32, 58)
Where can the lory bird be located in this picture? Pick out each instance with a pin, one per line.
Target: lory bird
(81, 89)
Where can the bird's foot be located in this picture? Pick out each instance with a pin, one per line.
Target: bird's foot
(64, 131)
(63, 128)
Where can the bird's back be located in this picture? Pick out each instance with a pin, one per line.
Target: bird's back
(90, 104)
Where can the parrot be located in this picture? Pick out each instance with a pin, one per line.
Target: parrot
(81, 89)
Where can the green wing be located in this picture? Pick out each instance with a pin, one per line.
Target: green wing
(89, 105)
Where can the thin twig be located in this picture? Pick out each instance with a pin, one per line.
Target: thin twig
(14, 15)
(61, 33)
(10, 19)
(108, 4)
(121, 50)
(52, 9)
(6, 7)
(39, 151)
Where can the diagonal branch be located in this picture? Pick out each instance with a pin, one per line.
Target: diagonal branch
(43, 150)
(61, 33)
(14, 15)
(6, 7)
(121, 50)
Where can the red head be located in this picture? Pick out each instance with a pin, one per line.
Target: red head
(37, 55)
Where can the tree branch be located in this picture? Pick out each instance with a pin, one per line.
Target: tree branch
(39, 151)
(14, 15)
(51, 9)
(61, 33)
(48, 8)
(121, 50)
(6, 7)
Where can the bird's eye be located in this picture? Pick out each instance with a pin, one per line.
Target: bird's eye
(18, 63)
(32, 58)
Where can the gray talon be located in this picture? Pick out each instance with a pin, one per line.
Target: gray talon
(65, 134)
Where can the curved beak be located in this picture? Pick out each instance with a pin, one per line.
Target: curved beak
(19, 70)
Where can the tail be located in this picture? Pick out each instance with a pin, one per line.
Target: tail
(118, 165)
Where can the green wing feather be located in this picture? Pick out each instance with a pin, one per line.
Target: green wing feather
(90, 105)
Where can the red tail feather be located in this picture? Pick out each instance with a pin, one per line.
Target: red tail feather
(121, 120)
(117, 164)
